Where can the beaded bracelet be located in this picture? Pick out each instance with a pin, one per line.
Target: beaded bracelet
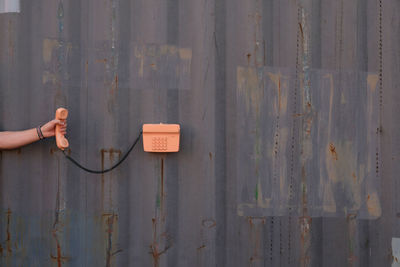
(39, 132)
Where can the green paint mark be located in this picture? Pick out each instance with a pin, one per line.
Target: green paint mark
(158, 201)
(256, 192)
(304, 188)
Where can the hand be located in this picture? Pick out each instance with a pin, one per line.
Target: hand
(49, 128)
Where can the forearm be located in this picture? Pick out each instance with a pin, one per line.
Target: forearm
(12, 140)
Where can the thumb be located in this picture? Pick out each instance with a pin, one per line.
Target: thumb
(57, 122)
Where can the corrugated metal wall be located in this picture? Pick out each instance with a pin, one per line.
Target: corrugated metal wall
(290, 137)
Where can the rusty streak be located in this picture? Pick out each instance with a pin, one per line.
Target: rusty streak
(8, 240)
(332, 149)
(59, 258)
(301, 30)
(102, 60)
(154, 246)
(110, 229)
(162, 189)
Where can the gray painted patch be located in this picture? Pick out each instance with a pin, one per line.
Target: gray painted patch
(339, 121)
(9, 6)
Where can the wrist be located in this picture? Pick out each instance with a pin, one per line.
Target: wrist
(40, 133)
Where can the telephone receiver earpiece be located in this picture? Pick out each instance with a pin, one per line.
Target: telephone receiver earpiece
(62, 142)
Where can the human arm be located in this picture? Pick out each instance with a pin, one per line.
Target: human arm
(15, 139)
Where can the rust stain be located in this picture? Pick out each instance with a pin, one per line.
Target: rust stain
(248, 86)
(248, 58)
(280, 84)
(162, 193)
(111, 219)
(201, 247)
(332, 149)
(59, 258)
(185, 54)
(261, 219)
(210, 155)
(372, 80)
(102, 178)
(354, 177)
(301, 31)
(305, 222)
(309, 124)
(102, 60)
(8, 238)
(47, 49)
(114, 86)
(154, 246)
(373, 205)
(111, 153)
(256, 226)
(304, 191)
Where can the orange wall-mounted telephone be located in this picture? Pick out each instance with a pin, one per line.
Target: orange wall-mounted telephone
(62, 142)
(161, 137)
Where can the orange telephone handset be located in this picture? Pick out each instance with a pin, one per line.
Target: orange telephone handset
(62, 142)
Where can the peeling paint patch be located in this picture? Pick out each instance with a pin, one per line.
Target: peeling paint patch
(248, 82)
(55, 54)
(263, 103)
(372, 81)
(48, 47)
(396, 252)
(373, 204)
(48, 77)
(155, 66)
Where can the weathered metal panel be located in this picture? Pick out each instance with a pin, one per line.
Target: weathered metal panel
(289, 142)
